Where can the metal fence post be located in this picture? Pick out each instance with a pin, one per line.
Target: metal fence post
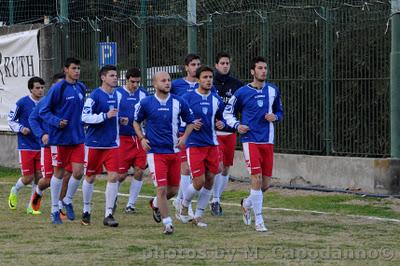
(210, 43)
(395, 82)
(265, 41)
(143, 42)
(328, 73)
(191, 26)
(10, 12)
(64, 20)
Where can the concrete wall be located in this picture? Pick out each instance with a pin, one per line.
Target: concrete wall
(8, 150)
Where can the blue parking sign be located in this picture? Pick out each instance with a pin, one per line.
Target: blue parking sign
(107, 53)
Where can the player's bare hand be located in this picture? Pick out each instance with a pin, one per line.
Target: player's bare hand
(181, 142)
(219, 124)
(124, 121)
(112, 113)
(242, 129)
(63, 123)
(270, 117)
(45, 139)
(197, 124)
(145, 144)
(25, 131)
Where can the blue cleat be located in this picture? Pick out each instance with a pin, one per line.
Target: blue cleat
(70, 211)
(55, 218)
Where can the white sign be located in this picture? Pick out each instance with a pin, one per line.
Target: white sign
(19, 61)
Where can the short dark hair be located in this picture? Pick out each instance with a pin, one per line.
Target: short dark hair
(132, 72)
(72, 60)
(33, 80)
(256, 60)
(190, 57)
(57, 76)
(103, 71)
(220, 55)
(202, 69)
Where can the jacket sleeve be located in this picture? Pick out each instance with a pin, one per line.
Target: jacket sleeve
(45, 111)
(88, 116)
(35, 122)
(230, 111)
(277, 106)
(13, 117)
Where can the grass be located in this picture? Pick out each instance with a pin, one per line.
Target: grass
(297, 238)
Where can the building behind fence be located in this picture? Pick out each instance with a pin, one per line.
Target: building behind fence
(329, 58)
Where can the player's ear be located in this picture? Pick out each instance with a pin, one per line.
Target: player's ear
(252, 72)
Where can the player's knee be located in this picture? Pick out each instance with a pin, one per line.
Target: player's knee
(264, 188)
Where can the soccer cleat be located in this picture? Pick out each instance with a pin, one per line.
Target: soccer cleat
(156, 212)
(30, 210)
(184, 216)
(199, 222)
(216, 209)
(261, 227)
(246, 214)
(130, 210)
(35, 202)
(168, 229)
(70, 211)
(110, 221)
(85, 218)
(62, 214)
(12, 199)
(55, 218)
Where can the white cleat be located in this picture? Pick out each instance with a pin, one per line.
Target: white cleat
(183, 215)
(246, 214)
(168, 229)
(199, 222)
(261, 227)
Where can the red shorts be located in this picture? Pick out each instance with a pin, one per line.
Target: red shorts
(165, 169)
(29, 161)
(227, 145)
(259, 158)
(202, 158)
(182, 152)
(96, 158)
(131, 153)
(47, 165)
(64, 155)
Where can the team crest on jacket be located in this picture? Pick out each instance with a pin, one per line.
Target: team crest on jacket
(205, 110)
(260, 103)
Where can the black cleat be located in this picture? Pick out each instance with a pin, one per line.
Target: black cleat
(156, 212)
(130, 210)
(85, 218)
(110, 221)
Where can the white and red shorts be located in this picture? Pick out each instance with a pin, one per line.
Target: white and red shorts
(65, 155)
(259, 158)
(131, 153)
(227, 145)
(46, 163)
(29, 162)
(96, 158)
(165, 169)
(202, 158)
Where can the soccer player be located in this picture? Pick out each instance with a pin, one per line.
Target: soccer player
(131, 152)
(180, 87)
(259, 103)
(202, 144)
(226, 85)
(40, 129)
(100, 113)
(162, 112)
(62, 110)
(28, 145)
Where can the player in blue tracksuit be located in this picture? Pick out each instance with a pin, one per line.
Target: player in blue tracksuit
(260, 106)
(202, 145)
(62, 109)
(162, 113)
(131, 152)
(28, 144)
(181, 87)
(100, 113)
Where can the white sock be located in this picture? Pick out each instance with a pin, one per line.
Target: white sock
(188, 195)
(155, 203)
(247, 202)
(60, 205)
(55, 189)
(39, 191)
(204, 197)
(119, 184)
(215, 188)
(134, 190)
(257, 201)
(87, 191)
(180, 194)
(111, 195)
(186, 180)
(18, 185)
(223, 183)
(73, 185)
(167, 221)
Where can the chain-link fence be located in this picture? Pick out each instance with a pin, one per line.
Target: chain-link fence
(329, 58)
